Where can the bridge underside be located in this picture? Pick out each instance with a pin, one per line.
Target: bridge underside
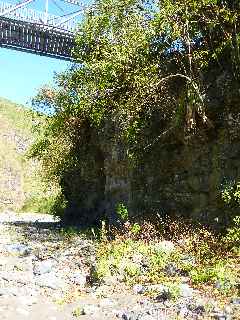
(35, 38)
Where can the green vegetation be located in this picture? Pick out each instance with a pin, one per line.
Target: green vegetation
(148, 259)
(21, 187)
(137, 61)
(233, 235)
(142, 65)
(78, 312)
(122, 211)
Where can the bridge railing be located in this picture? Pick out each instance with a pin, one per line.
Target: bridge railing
(34, 16)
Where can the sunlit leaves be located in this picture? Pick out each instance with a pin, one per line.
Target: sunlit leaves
(138, 62)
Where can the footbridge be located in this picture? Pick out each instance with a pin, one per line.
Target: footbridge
(26, 28)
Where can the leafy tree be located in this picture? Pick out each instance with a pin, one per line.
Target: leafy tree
(139, 64)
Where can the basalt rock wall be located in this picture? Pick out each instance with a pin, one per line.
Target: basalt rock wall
(177, 176)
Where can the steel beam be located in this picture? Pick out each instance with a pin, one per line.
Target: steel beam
(34, 38)
(14, 8)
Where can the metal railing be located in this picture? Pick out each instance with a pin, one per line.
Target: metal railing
(34, 16)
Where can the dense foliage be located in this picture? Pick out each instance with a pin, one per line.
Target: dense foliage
(137, 61)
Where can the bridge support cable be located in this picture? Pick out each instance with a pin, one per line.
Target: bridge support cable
(73, 15)
(14, 8)
(46, 12)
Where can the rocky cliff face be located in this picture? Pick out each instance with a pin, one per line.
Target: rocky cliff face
(175, 176)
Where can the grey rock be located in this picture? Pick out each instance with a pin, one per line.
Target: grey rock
(185, 290)
(165, 246)
(183, 311)
(21, 277)
(228, 311)
(235, 301)
(221, 316)
(106, 302)
(9, 292)
(171, 270)
(49, 280)
(164, 294)
(139, 289)
(43, 267)
(222, 284)
(90, 309)
(125, 315)
(188, 260)
(18, 249)
(200, 309)
(79, 279)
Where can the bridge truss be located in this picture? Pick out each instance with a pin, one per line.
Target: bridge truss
(26, 29)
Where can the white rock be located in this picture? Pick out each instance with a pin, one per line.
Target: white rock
(43, 267)
(166, 246)
(49, 280)
(79, 279)
(18, 249)
(22, 311)
(185, 290)
(138, 289)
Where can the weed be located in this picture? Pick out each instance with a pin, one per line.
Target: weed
(135, 229)
(136, 254)
(122, 211)
(232, 238)
(78, 312)
(69, 232)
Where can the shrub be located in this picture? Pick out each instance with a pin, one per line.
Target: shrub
(232, 238)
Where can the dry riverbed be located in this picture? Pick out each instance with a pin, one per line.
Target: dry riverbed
(44, 274)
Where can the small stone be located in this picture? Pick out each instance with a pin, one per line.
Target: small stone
(18, 249)
(188, 260)
(166, 246)
(49, 280)
(235, 301)
(79, 279)
(220, 316)
(183, 312)
(89, 309)
(43, 267)
(185, 290)
(171, 270)
(139, 289)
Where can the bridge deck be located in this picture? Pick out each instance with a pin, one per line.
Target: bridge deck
(36, 38)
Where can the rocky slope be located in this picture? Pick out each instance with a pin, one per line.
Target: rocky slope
(19, 178)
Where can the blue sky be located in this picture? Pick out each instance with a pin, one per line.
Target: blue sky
(21, 74)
